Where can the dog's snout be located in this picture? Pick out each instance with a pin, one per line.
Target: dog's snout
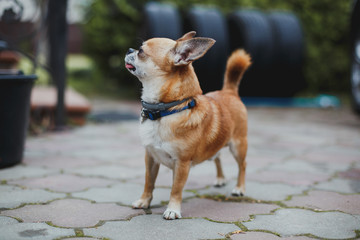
(130, 51)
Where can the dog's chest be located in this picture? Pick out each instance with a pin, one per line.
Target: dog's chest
(156, 138)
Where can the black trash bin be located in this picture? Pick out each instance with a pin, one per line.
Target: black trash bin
(15, 91)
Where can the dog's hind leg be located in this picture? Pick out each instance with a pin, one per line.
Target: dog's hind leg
(220, 179)
(152, 169)
(238, 148)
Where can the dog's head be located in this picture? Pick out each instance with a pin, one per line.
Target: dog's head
(158, 57)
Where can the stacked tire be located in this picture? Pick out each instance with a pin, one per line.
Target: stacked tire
(274, 41)
(161, 20)
(251, 30)
(209, 22)
(355, 57)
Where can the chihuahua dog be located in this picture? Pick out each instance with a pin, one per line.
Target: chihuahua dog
(180, 127)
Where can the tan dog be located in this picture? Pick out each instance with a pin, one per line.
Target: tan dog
(180, 127)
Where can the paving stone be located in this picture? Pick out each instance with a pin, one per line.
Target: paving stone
(266, 149)
(81, 238)
(261, 161)
(193, 182)
(343, 150)
(97, 145)
(200, 176)
(255, 162)
(33, 231)
(221, 211)
(329, 158)
(63, 183)
(11, 196)
(308, 139)
(70, 143)
(340, 185)
(81, 151)
(259, 191)
(31, 153)
(130, 128)
(309, 167)
(326, 201)
(52, 146)
(288, 147)
(208, 168)
(106, 154)
(59, 162)
(294, 178)
(109, 171)
(353, 142)
(126, 194)
(149, 227)
(72, 213)
(7, 220)
(357, 164)
(20, 171)
(133, 161)
(287, 222)
(351, 174)
(261, 235)
(334, 154)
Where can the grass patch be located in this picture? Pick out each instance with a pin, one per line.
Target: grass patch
(79, 233)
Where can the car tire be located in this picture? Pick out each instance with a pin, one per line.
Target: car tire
(209, 22)
(289, 40)
(161, 20)
(251, 30)
(288, 52)
(355, 57)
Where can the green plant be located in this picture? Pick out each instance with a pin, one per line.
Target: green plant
(111, 28)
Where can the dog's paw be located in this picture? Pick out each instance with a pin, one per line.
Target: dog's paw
(237, 192)
(141, 203)
(171, 214)
(220, 182)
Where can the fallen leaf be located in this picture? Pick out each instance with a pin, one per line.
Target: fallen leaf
(237, 232)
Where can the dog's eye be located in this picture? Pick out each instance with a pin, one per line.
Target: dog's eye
(141, 51)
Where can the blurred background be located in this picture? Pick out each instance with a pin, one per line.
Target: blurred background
(301, 49)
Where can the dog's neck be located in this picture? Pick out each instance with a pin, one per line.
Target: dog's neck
(180, 84)
(151, 89)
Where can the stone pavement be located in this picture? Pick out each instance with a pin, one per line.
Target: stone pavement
(303, 182)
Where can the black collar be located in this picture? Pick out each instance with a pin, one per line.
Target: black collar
(154, 111)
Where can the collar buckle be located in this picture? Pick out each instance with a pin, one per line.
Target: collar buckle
(152, 115)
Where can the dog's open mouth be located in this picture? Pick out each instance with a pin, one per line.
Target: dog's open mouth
(130, 66)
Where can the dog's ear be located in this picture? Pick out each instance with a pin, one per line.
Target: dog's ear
(189, 50)
(187, 36)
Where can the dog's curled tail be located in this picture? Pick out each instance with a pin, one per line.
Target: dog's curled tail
(236, 66)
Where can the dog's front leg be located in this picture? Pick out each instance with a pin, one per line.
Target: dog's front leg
(152, 169)
(181, 172)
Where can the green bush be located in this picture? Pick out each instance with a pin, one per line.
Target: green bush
(113, 26)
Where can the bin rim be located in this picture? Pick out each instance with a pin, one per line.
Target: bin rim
(31, 77)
